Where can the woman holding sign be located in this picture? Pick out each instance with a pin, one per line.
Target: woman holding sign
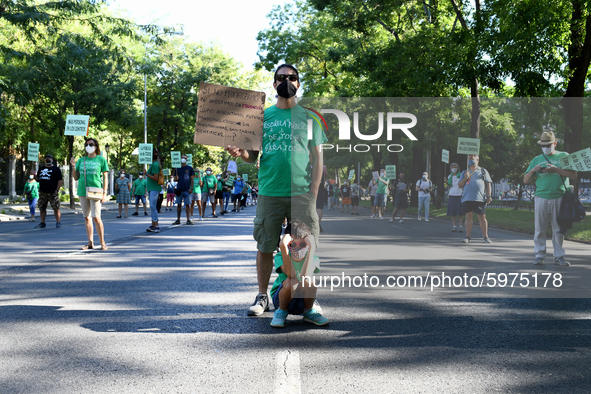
(91, 173)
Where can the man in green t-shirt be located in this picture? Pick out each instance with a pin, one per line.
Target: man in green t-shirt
(154, 191)
(208, 190)
(551, 183)
(139, 191)
(289, 175)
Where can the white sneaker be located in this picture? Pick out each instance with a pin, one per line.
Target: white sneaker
(401, 221)
(419, 218)
(391, 221)
(191, 218)
(200, 219)
(381, 218)
(373, 216)
(454, 229)
(426, 220)
(461, 230)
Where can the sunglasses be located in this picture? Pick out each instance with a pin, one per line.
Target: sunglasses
(90, 144)
(546, 146)
(301, 245)
(283, 77)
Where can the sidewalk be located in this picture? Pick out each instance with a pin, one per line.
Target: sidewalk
(14, 211)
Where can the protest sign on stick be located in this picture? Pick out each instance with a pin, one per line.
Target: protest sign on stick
(445, 156)
(229, 116)
(33, 151)
(145, 153)
(175, 159)
(77, 125)
(468, 146)
(391, 172)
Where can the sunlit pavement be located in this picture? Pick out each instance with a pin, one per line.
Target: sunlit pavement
(165, 313)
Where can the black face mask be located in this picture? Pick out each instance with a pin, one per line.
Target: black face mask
(286, 89)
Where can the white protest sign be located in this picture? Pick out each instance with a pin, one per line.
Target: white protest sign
(445, 156)
(578, 161)
(391, 172)
(351, 174)
(33, 152)
(190, 159)
(77, 125)
(375, 175)
(166, 171)
(229, 116)
(175, 159)
(245, 177)
(468, 146)
(232, 167)
(145, 153)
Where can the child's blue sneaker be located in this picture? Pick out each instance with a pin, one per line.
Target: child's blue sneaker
(312, 316)
(279, 318)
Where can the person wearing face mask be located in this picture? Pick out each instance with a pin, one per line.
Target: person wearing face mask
(219, 193)
(237, 195)
(291, 292)
(382, 194)
(400, 191)
(139, 192)
(185, 178)
(454, 203)
(476, 184)
(373, 190)
(551, 182)
(92, 171)
(154, 190)
(226, 192)
(50, 181)
(289, 175)
(196, 196)
(208, 191)
(424, 187)
(123, 190)
(170, 185)
(32, 193)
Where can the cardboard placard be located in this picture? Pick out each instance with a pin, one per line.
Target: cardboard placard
(77, 125)
(468, 146)
(175, 159)
(375, 175)
(232, 167)
(578, 161)
(230, 181)
(145, 153)
(33, 152)
(346, 200)
(391, 172)
(445, 156)
(351, 174)
(245, 177)
(229, 116)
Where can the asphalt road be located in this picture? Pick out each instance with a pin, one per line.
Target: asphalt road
(165, 313)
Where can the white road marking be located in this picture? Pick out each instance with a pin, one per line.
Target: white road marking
(287, 379)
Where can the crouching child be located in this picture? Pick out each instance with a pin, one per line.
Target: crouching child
(296, 260)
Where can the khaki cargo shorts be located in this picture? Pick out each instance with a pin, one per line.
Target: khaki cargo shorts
(272, 211)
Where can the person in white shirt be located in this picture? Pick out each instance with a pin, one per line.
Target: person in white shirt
(424, 187)
(454, 203)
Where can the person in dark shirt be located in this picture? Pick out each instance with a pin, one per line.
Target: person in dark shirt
(185, 178)
(50, 181)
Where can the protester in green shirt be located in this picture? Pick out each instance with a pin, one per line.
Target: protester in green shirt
(289, 175)
(382, 194)
(32, 193)
(138, 190)
(548, 176)
(196, 196)
(88, 171)
(208, 190)
(154, 189)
